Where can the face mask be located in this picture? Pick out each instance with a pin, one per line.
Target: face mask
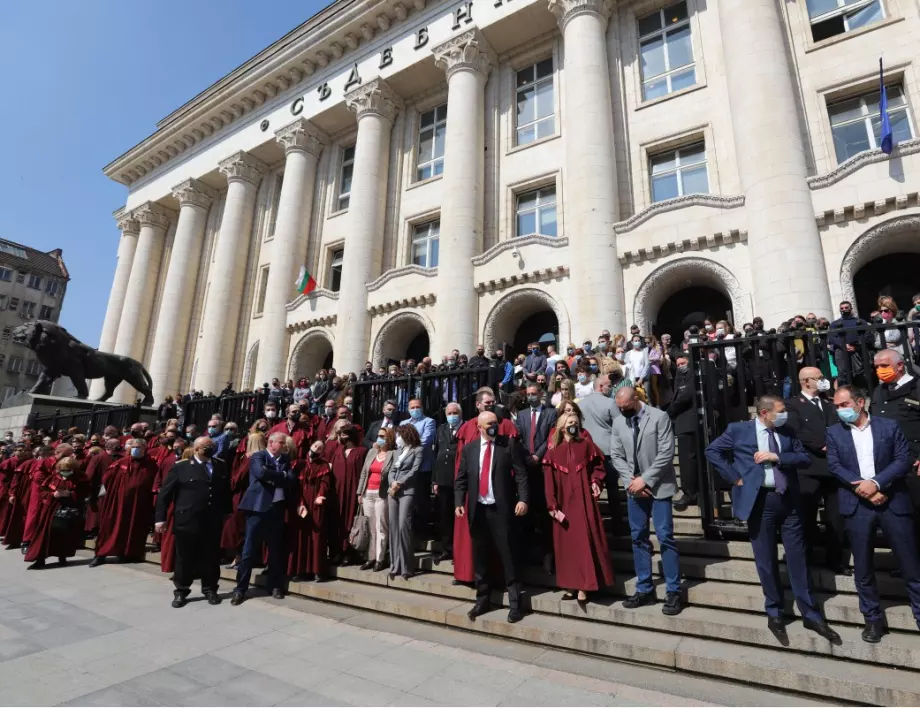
(748, 332)
(619, 356)
(488, 406)
(571, 352)
(582, 378)
(453, 420)
(886, 374)
(213, 430)
(637, 345)
(271, 415)
(887, 316)
(823, 385)
(720, 331)
(708, 328)
(178, 453)
(381, 442)
(293, 416)
(400, 443)
(848, 415)
(314, 455)
(480, 352)
(845, 313)
(388, 414)
(780, 420)
(572, 430)
(602, 346)
(587, 347)
(534, 401)
(917, 307)
(492, 430)
(535, 352)
(593, 368)
(137, 452)
(683, 367)
(328, 412)
(207, 452)
(627, 412)
(65, 473)
(415, 413)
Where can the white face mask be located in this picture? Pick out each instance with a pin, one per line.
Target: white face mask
(780, 420)
(399, 442)
(824, 385)
(720, 330)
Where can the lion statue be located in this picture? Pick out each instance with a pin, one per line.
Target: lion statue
(61, 354)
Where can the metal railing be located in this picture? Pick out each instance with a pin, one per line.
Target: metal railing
(241, 408)
(94, 420)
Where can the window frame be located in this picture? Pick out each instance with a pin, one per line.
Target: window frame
(677, 170)
(865, 117)
(51, 287)
(14, 304)
(535, 84)
(418, 236)
(537, 209)
(28, 308)
(7, 333)
(33, 368)
(336, 260)
(6, 275)
(343, 163)
(14, 365)
(843, 10)
(273, 206)
(262, 291)
(436, 160)
(668, 73)
(46, 312)
(35, 281)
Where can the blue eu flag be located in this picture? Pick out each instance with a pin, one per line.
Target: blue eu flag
(887, 139)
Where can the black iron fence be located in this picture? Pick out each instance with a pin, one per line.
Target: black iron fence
(94, 420)
(731, 373)
(241, 408)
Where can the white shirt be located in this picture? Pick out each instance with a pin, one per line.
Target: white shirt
(811, 399)
(865, 449)
(907, 378)
(584, 389)
(763, 445)
(490, 497)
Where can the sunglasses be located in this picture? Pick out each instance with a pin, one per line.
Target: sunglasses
(884, 309)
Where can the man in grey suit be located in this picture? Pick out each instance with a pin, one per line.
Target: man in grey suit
(642, 448)
(599, 412)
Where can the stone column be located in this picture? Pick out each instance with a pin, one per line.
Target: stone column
(590, 197)
(302, 146)
(171, 334)
(134, 325)
(375, 105)
(126, 248)
(467, 59)
(222, 308)
(787, 260)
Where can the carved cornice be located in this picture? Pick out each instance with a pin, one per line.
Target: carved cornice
(304, 325)
(536, 276)
(153, 214)
(315, 295)
(708, 200)
(403, 303)
(518, 242)
(468, 51)
(243, 167)
(399, 273)
(565, 10)
(127, 224)
(374, 98)
(869, 157)
(850, 212)
(301, 136)
(192, 192)
(701, 243)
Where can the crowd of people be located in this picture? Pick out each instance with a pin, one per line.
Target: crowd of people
(522, 479)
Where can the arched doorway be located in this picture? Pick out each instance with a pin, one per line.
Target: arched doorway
(894, 275)
(312, 352)
(524, 316)
(404, 336)
(541, 327)
(675, 315)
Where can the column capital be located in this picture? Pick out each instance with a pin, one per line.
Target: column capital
(565, 10)
(302, 136)
(152, 214)
(468, 51)
(243, 167)
(374, 97)
(194, 193)
(127, 224)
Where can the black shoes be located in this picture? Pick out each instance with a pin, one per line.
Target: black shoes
(673, 605)
(441, 557)
(378, 566)
(874, 631)
(640, 599)
(97, 561)
(821, 628)
(237, 598)
(179, 600)
(480, 608)
(777, 625)
(368, 565)
(514, 616)
(278, 594)
(62, 560)
(842, 570)
(684, 501)
(37, 565)
(213, 597)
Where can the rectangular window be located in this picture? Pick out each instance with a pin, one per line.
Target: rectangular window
(14, 303)
(666, 52)
(35, 282)
(276, 200)
(432, 131)
(832, 17)
(263, 289)
(335, 269)
(8, 392)
(4, 301)
(15, 365)
(679, 172)
(425, 244)
(7, 332)
(856, 123)
(6, 274)
(51, 288)
(348, 170)
(535, 104)
(33, 367)
(20, 276)
(46, 312)
(28, 308)
(536, 212)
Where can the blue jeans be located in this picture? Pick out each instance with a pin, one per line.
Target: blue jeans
(639, 511)
(266, 526)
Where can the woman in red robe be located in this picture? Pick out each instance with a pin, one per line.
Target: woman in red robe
(234, 531)
(127, 507)
(18, 501)
(346, 461)
(306, 516)
(562, 410)
(40, 474)
(167, 540)
(7, 473)
(63, 489)
(92, 476)
(573, 475)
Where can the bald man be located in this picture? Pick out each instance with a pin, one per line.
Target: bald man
(810, 415)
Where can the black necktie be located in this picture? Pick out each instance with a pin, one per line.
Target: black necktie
(817, 402)
(635, 422)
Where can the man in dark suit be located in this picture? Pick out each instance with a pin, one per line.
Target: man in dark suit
(391, 419)
(263, 503)
(810, 415)
(534, 424)
(493, 470)
(445, 463)
(685, 421)
(871, 459)
(200, 490)
(765, 493)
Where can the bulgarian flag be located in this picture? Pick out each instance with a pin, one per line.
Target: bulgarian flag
(305, 282)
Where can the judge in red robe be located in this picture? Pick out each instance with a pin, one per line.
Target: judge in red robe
(92, 476)
(299, 427)
(234, 531)
(7, 471)
(167, 541)
(16, 497)
(346, 463)
(469, 432)
(40, 474)
(60, 538)
(127, 507)
(306, 516)
(573, 477)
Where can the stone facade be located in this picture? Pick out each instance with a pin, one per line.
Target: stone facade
(572, 166)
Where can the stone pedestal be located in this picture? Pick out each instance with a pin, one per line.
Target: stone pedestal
(33, 410)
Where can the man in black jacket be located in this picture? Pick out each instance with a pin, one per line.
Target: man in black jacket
(445, 464)
(810, 415)
(843, 344)
(391, 419)
(200, 489)
(685, 421)
(492, 471)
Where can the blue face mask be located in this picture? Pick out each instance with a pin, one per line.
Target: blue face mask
(848, 415)
(213, 431)
(381, 441)
(137, 452)
(415, 413)
(453, 419)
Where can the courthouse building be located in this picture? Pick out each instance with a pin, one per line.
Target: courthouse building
(495, 170)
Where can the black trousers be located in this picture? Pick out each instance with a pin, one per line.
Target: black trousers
(445, 507)
(421, 508)
(492, 528)
(198, 556)
(689, 465)
(816, 490)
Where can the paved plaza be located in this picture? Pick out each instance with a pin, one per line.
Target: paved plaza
(108, 637)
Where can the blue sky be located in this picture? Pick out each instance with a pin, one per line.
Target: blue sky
(84, 81)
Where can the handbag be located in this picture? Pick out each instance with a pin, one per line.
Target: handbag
(359, 537)
(64, 518)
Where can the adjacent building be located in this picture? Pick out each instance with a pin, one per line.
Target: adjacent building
(490, 171)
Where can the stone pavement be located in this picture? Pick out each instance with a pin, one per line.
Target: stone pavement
(108, 637)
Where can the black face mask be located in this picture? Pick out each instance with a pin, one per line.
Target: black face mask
(492, 430)
(293, 416)
(480, 352)
(488, 406)
(628, 413)
(314, 455)
(534, 401)
(207, 452)
(572, 430)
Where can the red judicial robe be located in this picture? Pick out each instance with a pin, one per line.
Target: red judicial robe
(167, 540)
(41, 471)
(463, 542)
(7, 471)
(92, 476)
(582, 556)
(234, 531)
(307, 536)
(323, 427)
(126, 511)
(20, 489)
(346, 471)
(159, 452)
(302, 434)
(47, 541)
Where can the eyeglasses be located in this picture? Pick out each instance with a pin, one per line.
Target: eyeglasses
(884, 309)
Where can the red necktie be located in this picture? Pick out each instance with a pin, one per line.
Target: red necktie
(485, 471)
(533, 428)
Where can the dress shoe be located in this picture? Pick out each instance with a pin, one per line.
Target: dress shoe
(683, 501)
(777, 625)
(213, 597)
(237, 598)
(320, 578)
(37, 565)
(278, 594)
(842, 570)
(874, 631)
(821, 628)
(368, 565)
(24, 548)
(640, 599)
(378, 566)
(515, 615)
(97, 561)
(673, 604)
(62, 561)
(480, 608)
(895, 572)
(179, 600)
(441, 557)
